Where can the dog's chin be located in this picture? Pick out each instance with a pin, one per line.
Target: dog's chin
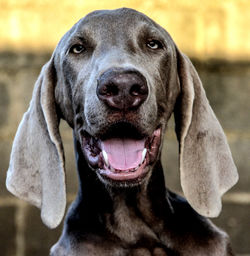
(122, 157)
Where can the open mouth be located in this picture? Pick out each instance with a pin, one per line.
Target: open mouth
(123, 155)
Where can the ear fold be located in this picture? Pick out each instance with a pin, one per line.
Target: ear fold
(207, 169)
(36, 171)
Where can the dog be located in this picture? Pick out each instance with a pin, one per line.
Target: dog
(116, 77)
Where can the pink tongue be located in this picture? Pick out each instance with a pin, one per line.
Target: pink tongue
(123, 154)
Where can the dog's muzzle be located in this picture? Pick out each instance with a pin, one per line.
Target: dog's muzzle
(122, 153)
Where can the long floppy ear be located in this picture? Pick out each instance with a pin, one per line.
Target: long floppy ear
(36, 171)
(207, 169)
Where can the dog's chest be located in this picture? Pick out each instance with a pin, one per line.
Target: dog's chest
(128, 224)
(116, 250)
(134, 229)
(129, 231)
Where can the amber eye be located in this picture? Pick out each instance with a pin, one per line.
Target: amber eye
(154, 44)
(77, 48)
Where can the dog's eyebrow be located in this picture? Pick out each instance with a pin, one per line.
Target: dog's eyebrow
(83, 36)
(147, 30)
(78, 38)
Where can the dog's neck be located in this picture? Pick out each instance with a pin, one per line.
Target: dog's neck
(95, 198)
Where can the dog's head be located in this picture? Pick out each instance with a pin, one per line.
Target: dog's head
(116, 77)
(119, 75)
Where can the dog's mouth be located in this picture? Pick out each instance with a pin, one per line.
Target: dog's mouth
(122, 154)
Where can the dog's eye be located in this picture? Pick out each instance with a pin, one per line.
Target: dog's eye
(77, 48)
(154, 44)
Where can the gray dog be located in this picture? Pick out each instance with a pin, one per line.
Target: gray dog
(116, 77)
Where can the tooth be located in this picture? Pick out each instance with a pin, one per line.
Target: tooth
(144, 152)
(112, 169)
(105, 156)
(135, 169)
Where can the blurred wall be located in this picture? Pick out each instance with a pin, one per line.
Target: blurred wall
(203, 29)
(215, 34)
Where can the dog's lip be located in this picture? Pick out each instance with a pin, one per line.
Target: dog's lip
(93, 152)
(118, 175)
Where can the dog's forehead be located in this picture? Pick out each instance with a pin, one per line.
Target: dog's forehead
(113, 26)
(119, 23)
(114, 19)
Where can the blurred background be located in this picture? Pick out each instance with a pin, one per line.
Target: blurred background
(214, 34)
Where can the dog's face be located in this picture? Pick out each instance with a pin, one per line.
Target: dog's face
(120, 91)
(116, 77)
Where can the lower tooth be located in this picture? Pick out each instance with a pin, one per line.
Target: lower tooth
(143, 155)
(105, 157)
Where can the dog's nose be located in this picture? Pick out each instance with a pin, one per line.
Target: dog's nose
(122, 89)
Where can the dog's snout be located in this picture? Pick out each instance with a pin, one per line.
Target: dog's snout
(122, 89)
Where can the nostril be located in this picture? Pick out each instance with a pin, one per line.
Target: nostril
(138, 90)
(108, 90)
(135, 90)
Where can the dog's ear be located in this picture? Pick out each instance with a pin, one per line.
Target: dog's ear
(36, 170)
(207, 169)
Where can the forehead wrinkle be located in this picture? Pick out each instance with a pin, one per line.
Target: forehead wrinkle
(111, 22)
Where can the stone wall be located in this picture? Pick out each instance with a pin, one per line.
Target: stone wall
(227, 85)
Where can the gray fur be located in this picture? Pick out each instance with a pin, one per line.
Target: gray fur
(66, 88)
